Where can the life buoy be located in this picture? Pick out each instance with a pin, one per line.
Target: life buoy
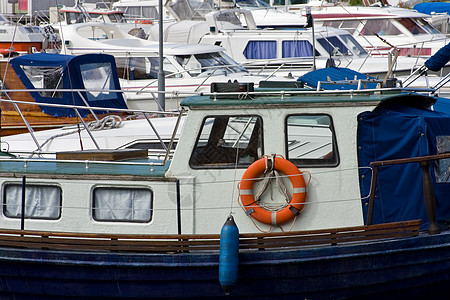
(294, 207)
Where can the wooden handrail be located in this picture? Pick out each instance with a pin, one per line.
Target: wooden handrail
(173, 243)
(428, 190)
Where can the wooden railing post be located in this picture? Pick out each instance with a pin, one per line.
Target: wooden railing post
(373, 189)
(430, 199)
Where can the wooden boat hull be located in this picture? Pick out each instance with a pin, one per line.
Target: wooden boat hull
(391, 269)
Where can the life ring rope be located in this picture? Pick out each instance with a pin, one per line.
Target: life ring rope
(270, 215)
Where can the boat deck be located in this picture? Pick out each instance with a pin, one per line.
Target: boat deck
(55, 168)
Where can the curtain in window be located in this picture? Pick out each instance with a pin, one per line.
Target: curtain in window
(112, 204)
(261, 50)
(297, 49)
(42, 202)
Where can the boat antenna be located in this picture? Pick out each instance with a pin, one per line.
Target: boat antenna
(161, 79)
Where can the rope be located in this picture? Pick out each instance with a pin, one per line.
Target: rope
(107, 122)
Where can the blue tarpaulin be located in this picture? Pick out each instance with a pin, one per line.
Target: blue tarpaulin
(56, 71)
(334, 74)
(405, 130)
(439, 59)
(432, 7)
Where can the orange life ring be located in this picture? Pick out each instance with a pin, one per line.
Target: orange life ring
(294, 207)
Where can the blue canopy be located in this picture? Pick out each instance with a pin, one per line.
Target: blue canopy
(436, 7)
(94, 72)
(439, 59)
(334, 74)
(404, 127)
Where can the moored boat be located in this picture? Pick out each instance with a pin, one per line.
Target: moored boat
(140, 228)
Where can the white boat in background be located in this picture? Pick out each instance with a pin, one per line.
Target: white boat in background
(18, 38)
(380, 28)
(189, 69)
(83, 13)
(286, 52)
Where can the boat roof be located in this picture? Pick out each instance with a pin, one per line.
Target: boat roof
(275, 98)
(134, 167)
(362, 12)
(68, 72)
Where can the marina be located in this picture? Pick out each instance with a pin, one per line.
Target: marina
(167, 166)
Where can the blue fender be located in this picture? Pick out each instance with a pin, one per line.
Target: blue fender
(229, 255)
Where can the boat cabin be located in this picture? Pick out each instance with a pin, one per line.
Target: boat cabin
(306, 154)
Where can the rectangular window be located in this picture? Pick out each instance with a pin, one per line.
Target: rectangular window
(228, 141)
(261, 50)
(50, 78)
(97, 77)
(310, 141)
(297, 49)
(41, 201)
(122, 204)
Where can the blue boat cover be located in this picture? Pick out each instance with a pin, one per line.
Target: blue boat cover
(439, 59)
(436, 7)
(56, 71)
(418, 131)
(334, 74)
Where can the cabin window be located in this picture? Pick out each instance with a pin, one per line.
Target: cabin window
(353, 45)
(334, 46)
(96, 77)
(442, 166)
(350, 26)
(412, 26)
(41, 201)
(261, 50)
(228, 141)
(122, 204)
(298, 49)
(380, 27)
(135, 68)
(50, 78)
(202, 65)
(310, 141)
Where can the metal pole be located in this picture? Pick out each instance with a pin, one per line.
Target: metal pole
(161, 79)
(178, 206)
(22, 216)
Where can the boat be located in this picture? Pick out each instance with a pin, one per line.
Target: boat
(350, 206)
(276, 51)
(380, 29)
(84, 13)
(188, 68)
(33, 78)
(17, 38)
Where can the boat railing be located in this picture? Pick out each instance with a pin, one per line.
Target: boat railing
(428, 190)
(92, 109)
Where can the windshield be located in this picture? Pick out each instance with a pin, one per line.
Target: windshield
(334, 46)
(353, 45)
(412, 26)
(207, 64)
(251, 3)
(428, 27)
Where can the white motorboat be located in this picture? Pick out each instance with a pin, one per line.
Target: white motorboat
(281, 51)
(380, 28)
(188, 69)
(19, 38)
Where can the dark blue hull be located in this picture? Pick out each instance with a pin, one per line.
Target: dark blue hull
(395, 269)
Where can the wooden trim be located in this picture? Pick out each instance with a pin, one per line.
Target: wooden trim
(208, 242)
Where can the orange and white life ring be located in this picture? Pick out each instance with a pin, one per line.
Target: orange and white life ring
(294, 207)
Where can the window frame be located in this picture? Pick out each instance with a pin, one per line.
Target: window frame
(224, 165)
(4, 188)
(93, 207)
(315, 163)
